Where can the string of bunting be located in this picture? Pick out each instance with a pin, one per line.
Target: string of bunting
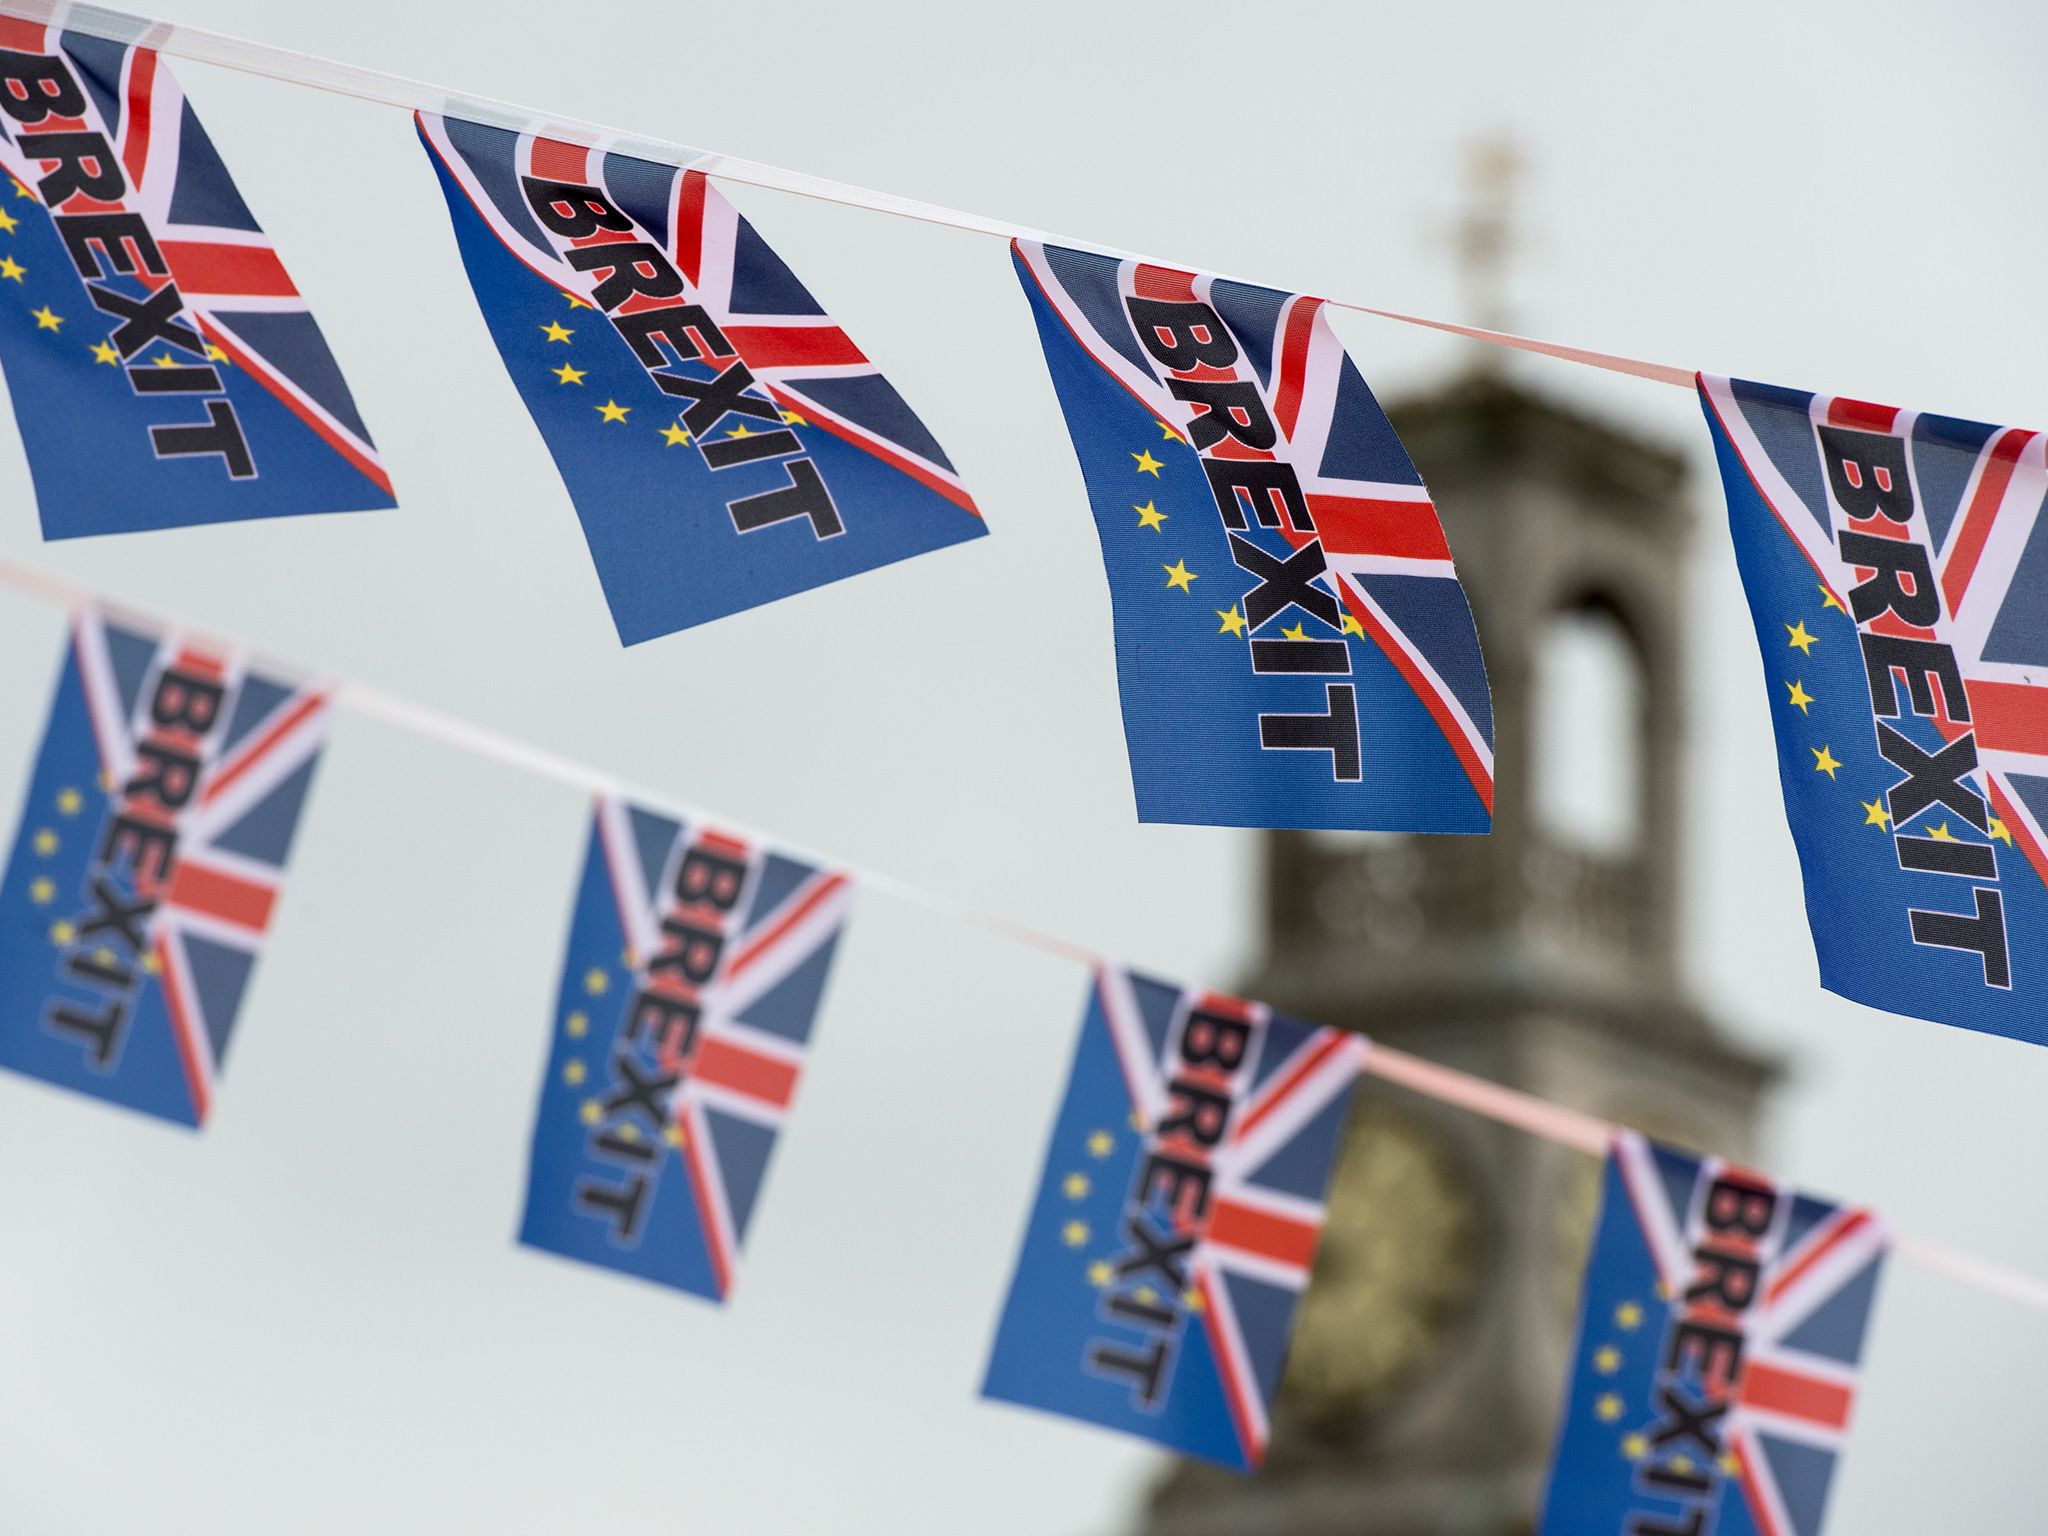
(165, 371)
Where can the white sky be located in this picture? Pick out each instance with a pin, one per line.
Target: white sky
(312, 1318)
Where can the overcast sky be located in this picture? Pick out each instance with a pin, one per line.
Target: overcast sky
(312, 1318)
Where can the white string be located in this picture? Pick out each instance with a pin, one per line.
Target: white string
(1509, 1106)
(417, 96)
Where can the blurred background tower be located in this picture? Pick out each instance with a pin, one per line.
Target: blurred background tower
(1428, 1362)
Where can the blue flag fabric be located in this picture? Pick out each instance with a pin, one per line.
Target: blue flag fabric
(1721, 1320)
(695, 964)
(163, 367)
(1293, 647)
(724, 442)
(1897, 569)
(1177, 1217)
(149, 858)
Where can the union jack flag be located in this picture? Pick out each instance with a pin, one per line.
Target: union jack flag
(724, 441)
(695, 964)
(164, 368)
(1177, 1217)
(1293, 645)
(1896, 563)
(1721, 1323)
(148, 863)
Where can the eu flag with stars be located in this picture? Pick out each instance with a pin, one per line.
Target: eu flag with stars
(724, 442)
(164, 369)
(695, 965)
(1721, 1323)
(1177, 1217)
(149, 860)
(1896, 564)
(1293, 647)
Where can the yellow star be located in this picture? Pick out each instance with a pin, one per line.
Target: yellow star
(1729, 1463)
(165, 361)
(1171, 435)
(9, 267)
(611, 410)
(674, 1136)
(69, 802)
(556, 331)
(103, 352)
(8, 221)
(19, 189)
(1681, 1464)
(1999, 833)
(573, 1072)
(1799, 695)
(1075, 1186)
(1628, 1317)
(1606, 1359)
(62, 932)
(592, 1111)
(1824, 761)
(1874, 813)
(215, 355)
(674, 435)
(1607, 1407)
(574, 302)
(1100, 1273)
(46, 842)
(1829, 600)
(1192, 1300)
(568, 375)
(1233, 621)
(1137, 1120)
(1800, 637)
(1074, 1233)
(1351, 626)
(1101, 1144)
(791, 419)
(46, 321)
(1293, 634)
(1941, 834)
(42, 891)
(1149, 516)
(740, 431)
(577, 1024)
(151, 964)
(595, 981)
(1178, 575)
(629, 1132)
(1147, 465)
(103, 955)
(1635, 1446)
(1146, 1296)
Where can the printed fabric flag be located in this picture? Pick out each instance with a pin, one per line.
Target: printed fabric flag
(1897, 570)
(1292, 644)
(1177, 1217)
(696, 960)
(725, 443)
(164, 369)
(1720, 1324)
(148, 862)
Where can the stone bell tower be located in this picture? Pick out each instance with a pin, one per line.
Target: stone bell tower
(1425, 1377)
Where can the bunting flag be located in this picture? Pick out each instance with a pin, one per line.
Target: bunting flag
(725, 443)
(1720, 1323)
(1177, 1217)
(1897, 571)
(164, 369)
(696, 961)
(1293, 647)
(148, 861)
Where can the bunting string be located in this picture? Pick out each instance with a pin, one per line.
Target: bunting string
(1507, 1106)
(206, 47)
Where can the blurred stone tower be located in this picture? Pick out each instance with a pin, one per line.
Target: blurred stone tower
(1428, 1361)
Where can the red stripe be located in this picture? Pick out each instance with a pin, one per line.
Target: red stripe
(555, 161)
(182, 1032)
(215, 893)
(1800, 1397)
(758, 945)
(141, 97)
(21, 36)
(1852, 1223)
(1861, 414)
(1404, 530)
(1969, 540)
(1281, 1238)
(690, 225)
(794, 346)
(1274, 1094)
(725, 1065)
(1454, 733)
(870, 444)
(1301, 320)
(250, 752)
(271, 380)
(2009, 717)
(204, 267)
(1164, 283)
(700, 1187)
(1248, 1443)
